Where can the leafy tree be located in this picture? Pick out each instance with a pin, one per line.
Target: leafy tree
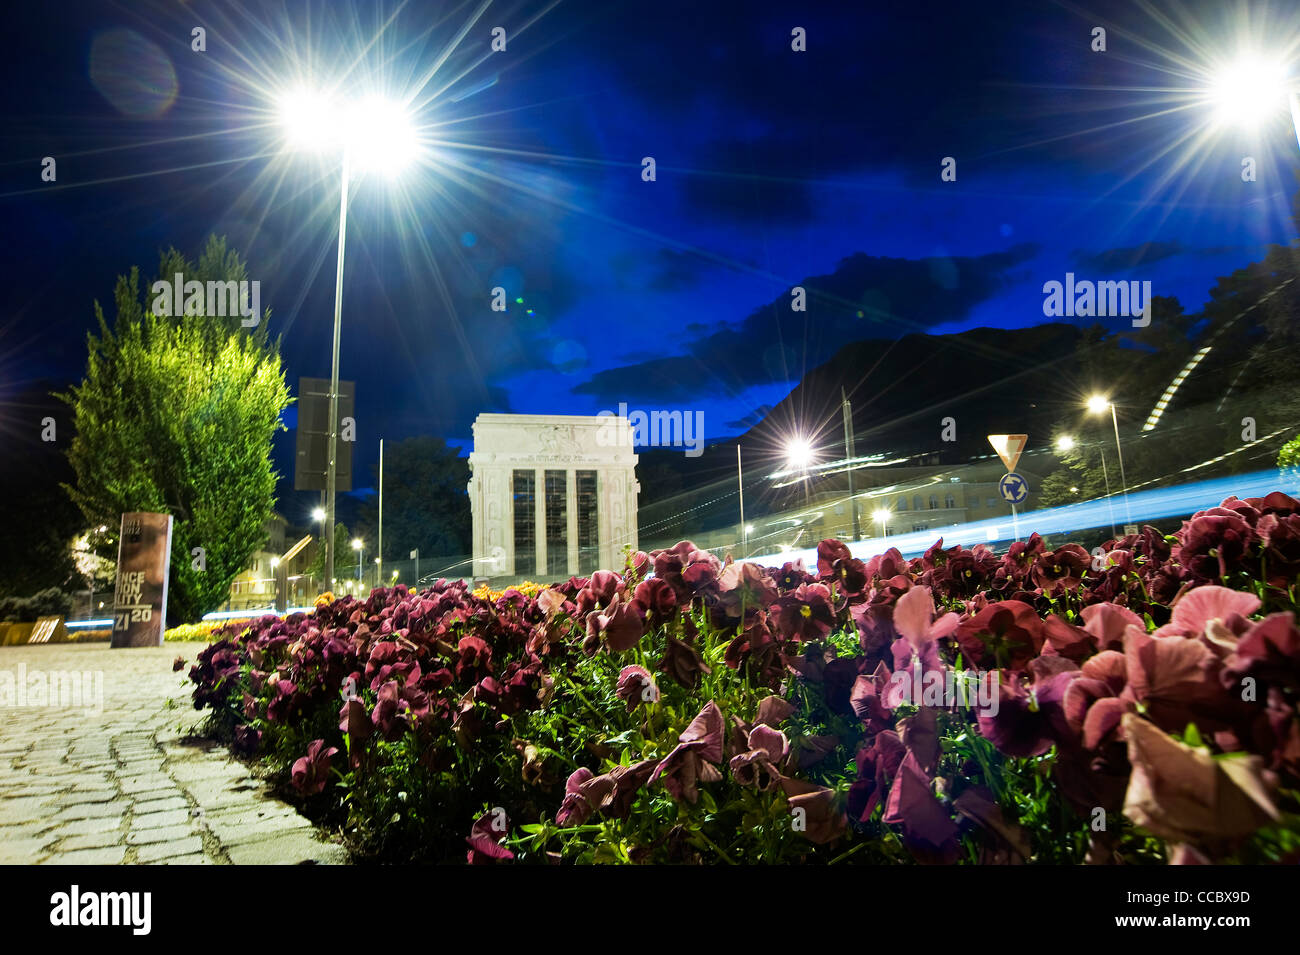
(1289, 455)
(425, 503)
(176, 415)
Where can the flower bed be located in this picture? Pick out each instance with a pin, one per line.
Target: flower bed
(205, 630)
(963, 706)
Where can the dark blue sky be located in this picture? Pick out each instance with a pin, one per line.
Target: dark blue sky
(774, 167)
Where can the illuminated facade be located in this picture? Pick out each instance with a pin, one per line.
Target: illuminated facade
(552, 496)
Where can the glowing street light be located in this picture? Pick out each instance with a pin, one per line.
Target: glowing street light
(882, 515)
(373, 134)
(799, 454)
(1250, 90)
(1098, 404)
(1065, 442)
(357, 545)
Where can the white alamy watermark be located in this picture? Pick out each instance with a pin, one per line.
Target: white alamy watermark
(52, 688)
(653, 429)
(1085, 298)
(220, 299)
(949, 688)
(131, 909)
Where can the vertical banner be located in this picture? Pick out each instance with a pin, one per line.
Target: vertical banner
(143, 561)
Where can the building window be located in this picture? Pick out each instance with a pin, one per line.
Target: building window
(974, 502)
(902, 503)
(557, 522)
(993, 502)
(525, 523)
(934, 503)
(917, 528)
(949, 503)
(588, 525)
(916, 503)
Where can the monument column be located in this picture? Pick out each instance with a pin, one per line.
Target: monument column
(571, 518)
(539, 515)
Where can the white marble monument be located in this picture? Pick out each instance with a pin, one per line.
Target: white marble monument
(552, 496)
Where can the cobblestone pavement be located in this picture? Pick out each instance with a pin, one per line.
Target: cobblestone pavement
(128, 784)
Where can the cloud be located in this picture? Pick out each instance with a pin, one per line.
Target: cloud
(1123, 259)
(745, 422)
(675, 270)
(865, 297)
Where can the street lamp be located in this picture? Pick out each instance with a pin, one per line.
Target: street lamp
(356, 546)
(374, 134)
(1098, 404)
(881, 515)
(1065, 442)
(1250, 90)
(799, 453)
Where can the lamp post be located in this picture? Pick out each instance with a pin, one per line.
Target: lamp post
(881, 515)
(740, 486)
(849, 453)
(1098, 404)
(358, 545)
(373, 134)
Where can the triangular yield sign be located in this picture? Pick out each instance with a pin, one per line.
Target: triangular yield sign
(1009, 447)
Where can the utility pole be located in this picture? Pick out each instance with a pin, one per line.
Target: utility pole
(848, 457)
(379, 574)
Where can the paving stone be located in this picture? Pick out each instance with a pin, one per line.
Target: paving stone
(161, 851)
(89, 811)
(23, 851)
(110, 856)
(197, 858)
(160, 805)
(94, 795)
(131, 785)
(69, 784)
(292, 849)
(29, 809)
(94, 840)
(139, 837)
(84, 827)
(155, 820)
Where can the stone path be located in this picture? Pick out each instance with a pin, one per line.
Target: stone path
(122, 782)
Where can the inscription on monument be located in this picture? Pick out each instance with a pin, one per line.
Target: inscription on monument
(143, 562)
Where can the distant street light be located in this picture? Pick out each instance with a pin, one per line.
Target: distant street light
(1098, 404)
(882, 515)
(1065, 442)
(799, 454)
(357, 545)
(374, 134)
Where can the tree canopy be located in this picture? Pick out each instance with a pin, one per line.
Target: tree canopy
(176, 415)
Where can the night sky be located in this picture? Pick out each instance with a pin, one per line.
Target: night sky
(773, 167)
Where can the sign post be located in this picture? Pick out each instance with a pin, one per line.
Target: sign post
(1013, 488)
(143, 561)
